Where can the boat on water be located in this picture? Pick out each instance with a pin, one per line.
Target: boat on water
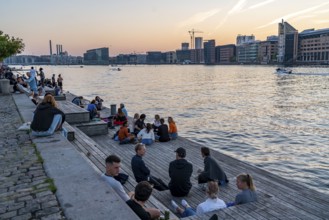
(283, 71)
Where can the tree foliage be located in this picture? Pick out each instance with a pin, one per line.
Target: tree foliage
(10, 46)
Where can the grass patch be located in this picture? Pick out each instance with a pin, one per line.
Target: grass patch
(40, 159)
(51, 186)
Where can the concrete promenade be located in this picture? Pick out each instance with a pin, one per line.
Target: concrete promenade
(25, 188)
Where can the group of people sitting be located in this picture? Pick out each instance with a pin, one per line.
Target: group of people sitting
(146, 133)
(93, 107)
(48, 119)
(180, 172)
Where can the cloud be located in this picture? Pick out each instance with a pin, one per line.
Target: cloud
(322, 11)
(199, 17)
(238, 7)
(322, 21)
(293, 15)
(261, 4)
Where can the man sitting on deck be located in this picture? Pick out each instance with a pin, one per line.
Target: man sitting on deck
(142, 172)
(180, 171)
(212, 171)
(112, 163)
(143, 191)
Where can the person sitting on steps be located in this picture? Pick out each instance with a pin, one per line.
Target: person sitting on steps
(211, 204)
(143, 191)
(47, 118)
(124, 136)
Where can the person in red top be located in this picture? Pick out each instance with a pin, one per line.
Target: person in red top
(124, 136)
(172, 128)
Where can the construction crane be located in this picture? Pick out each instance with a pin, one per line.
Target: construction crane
(191, 32)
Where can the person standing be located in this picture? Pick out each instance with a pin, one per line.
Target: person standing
(212, 171)
(180, 171)
(60, 82)
(112, 163)
(42, 77)
(32, 83)
(53, 81)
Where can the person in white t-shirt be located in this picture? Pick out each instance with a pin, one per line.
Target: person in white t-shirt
(211, 204)
(112, 169)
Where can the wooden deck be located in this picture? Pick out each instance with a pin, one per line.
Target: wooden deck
(279, 198)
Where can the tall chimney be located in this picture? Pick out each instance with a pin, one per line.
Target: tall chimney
(51, 48)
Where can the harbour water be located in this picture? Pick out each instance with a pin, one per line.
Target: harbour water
(277, 122)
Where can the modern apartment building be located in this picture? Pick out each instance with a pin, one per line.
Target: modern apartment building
(247, 53)
(171, 57)
(268, 50)
(98, 56)
(287, 43)
(242, 39)
(209, 52)
(225, 54)
(314, 46)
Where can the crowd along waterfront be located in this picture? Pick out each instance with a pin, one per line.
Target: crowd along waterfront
(279, 122)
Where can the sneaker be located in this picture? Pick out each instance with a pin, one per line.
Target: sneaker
(174, 205)
(185, 204)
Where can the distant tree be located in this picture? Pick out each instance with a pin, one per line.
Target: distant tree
(9, 46)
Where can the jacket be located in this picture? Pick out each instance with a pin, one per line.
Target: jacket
(180, 172)
(43, 117)
(141, 172)
(213, 171)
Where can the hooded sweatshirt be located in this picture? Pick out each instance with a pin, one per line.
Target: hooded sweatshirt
(43, 117)
(180, 172)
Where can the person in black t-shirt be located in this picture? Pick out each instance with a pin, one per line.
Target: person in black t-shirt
(163, 132)
(143, 191)
(139, 124)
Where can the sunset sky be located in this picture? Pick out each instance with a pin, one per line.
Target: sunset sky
(150, 25)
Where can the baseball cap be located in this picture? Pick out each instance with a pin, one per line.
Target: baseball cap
(181, 152)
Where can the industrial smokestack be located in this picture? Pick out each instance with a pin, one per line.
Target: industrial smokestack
(51, 48)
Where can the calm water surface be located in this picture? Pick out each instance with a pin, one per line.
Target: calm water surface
(276, 122)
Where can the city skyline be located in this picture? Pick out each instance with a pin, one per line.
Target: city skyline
(137, 27)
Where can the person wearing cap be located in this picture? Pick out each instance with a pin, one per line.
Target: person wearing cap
(180, 171)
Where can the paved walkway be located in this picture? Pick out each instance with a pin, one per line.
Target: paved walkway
(25, 189)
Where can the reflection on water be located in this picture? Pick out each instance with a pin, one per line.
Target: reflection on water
(277, 122)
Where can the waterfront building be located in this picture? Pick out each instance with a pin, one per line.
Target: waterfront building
(225, 54)
(183, 56)
(197, 56)
(242, 39)
(247, 53)
(268, 50)
(209, 52)
(287, 43)
(98, 56)
(314, 46)
(171, 57)
(155, 57)
(198, 43)
(185, 46)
